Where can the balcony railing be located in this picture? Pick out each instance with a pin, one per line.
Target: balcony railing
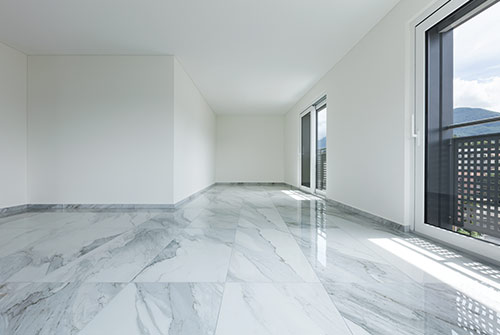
(321, 169)
(477, 183)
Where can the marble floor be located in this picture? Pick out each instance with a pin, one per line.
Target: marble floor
(236, 260)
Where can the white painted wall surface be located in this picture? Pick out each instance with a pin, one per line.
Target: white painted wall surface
(12, 127)
(250, 148)
(100, 129)
(368, 120)
(194, 137)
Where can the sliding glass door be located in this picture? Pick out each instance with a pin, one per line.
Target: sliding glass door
(457, 185)
(313, 164)
(321, 148)
(306, 150)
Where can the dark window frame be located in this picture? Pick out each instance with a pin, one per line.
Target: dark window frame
(439, 187)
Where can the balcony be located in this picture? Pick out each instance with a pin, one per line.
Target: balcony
(477, 183)
(321, 169)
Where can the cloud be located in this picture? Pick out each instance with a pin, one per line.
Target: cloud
(477, 46)
(321, 124)
(477, 93)
(477, 61)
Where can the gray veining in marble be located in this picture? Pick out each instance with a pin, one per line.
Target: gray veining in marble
(337, 257)
(268, 255)
(278, 309)
(236, 259)
(261, 217)
(52, 308)
(170, 309)
(120, 259)
(410, 308)
(195, 255)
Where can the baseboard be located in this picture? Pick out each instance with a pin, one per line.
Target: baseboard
(110, 207)
(193, 196)
(252, 183)
(377, 219)
(7, 211)
(96, 207)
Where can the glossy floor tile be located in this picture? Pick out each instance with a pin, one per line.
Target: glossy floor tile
(195, 255)
(239, 259)
(268, 255)
(52, 308)
(303, 308)
(179, 308)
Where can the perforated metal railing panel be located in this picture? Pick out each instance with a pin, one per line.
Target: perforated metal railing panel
(477, 183)
(321, 169)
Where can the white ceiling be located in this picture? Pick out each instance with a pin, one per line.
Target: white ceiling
(245, 56)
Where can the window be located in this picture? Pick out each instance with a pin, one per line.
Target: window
(321, 148)
(306, 150)
(462, 154)
(313, 147)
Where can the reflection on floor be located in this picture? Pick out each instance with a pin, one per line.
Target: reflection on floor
(236, 260)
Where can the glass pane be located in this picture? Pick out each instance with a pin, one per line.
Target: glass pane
(476, 96)
(476, 72)
(463, 163)
(306, 150)
(321, 149)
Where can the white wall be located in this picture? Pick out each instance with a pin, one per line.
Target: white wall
(250, 148)
(12, 127)
(100, 129)
(368, 120)
(194, 137)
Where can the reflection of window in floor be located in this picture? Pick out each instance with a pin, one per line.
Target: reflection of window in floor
(475, 317)
(297, 195)
(481, 290)
(436, 249)
(484, 269)
(476, 270)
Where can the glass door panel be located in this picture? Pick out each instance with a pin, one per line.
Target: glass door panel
(306, 150)
(463, 133)
(457, 183)
(313, 148)
(321, 148)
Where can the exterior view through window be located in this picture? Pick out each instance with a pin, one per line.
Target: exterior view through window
(306, 150)
(313, 147)
(321, 148)
(462, 188)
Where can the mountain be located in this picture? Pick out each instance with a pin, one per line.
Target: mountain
(466, 114)
(322, 143)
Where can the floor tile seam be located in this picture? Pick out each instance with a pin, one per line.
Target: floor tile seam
(282, 219)
(154, 257)
(324, 288)
(31, 216)
(220, 308)
(97, 250)
(385, 258)
(125, 285)
(273, 282)
(235, 249)
(77, 259)
(296, 283)
(243, 229)
(11, 221)
(232, 254)
(297, 245)
(111, 282)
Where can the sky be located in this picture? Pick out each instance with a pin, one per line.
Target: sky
(322, 126)
(477, 61)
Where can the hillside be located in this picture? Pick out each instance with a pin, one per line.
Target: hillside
(465, 114)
